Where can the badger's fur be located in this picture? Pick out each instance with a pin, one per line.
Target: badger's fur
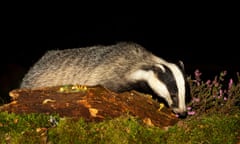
(120, 67)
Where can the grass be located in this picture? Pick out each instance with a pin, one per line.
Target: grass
(214, 117)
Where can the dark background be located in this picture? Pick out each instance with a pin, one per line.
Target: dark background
(205, 39)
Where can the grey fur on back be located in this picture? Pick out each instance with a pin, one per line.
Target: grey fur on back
(109, 66)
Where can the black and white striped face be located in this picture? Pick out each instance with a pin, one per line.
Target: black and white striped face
(168, 82)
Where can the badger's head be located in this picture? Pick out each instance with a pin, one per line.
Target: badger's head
(168, 81)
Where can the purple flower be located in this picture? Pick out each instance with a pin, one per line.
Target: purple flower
(196, 99)
(208, 82)
(225, 98)
(230, 83)
(224, 73)
(220, 92)
(191, 113)
(197, 74)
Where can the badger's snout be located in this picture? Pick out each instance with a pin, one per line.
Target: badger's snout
(180, 113)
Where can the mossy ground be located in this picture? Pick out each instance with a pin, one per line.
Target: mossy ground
(38, 128)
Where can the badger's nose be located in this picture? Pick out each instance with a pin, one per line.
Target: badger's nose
(182, 115)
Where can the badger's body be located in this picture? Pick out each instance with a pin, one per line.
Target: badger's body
(119, 67)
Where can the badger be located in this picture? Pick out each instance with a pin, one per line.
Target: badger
(119, 67)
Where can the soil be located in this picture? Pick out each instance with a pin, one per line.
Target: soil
(91, 103)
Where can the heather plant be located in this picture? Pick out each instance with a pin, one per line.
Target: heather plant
(220, 95)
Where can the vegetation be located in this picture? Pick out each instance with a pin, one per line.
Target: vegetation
(214, 117)
(221, 95)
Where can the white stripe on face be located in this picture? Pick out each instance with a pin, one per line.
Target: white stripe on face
(181, 88)
(156, 85)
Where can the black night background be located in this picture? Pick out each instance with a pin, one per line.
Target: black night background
(208, 41)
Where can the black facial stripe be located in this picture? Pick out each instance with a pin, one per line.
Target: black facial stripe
(188, 97)
(168, 79)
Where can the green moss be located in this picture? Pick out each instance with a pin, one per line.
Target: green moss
(120, 130)
(216, 128)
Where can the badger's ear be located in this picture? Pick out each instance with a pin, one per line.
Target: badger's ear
(181, 64)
